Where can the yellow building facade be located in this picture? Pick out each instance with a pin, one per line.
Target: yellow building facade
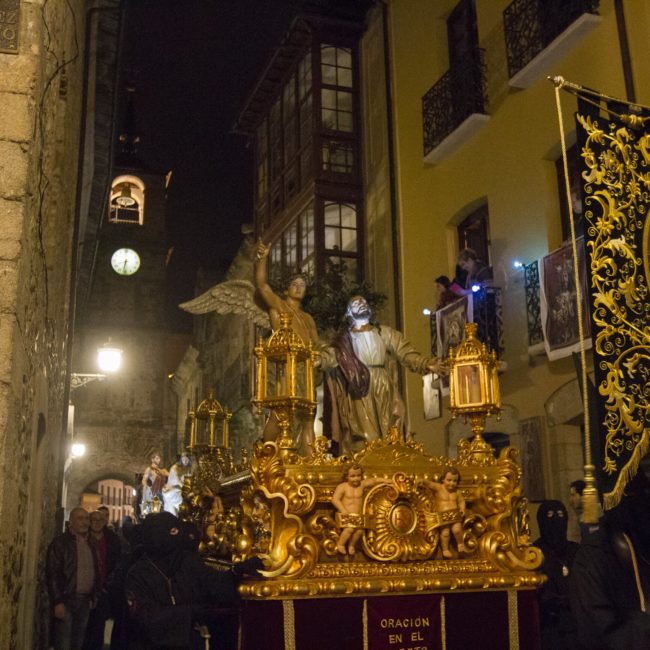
(509, 165)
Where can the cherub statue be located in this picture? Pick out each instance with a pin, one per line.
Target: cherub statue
(348, 500)
(451, 506)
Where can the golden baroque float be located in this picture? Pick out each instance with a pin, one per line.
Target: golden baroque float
(281, 509)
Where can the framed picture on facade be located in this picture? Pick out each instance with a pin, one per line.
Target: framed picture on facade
(531, 453)
(431, 397)
(559, 311)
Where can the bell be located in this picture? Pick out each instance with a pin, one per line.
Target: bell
(125, 199)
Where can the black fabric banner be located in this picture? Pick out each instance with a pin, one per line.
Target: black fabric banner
(615, 154)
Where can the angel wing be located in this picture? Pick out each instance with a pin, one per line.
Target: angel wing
(229, 297)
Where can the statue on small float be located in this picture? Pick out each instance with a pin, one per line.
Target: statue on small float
(449, 504)
(348, 501)
(172, 493)
(154, 479)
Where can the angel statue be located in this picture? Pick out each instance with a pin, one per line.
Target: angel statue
(263, 307)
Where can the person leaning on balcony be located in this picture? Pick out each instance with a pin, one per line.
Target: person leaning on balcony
(477, 271)
(446, 292)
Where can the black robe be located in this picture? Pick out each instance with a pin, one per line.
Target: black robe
(605, 597)
(166, 602)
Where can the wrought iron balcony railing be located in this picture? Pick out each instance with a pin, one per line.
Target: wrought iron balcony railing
(447, 330)
(459, 93)
(533, 304)
(531, 25)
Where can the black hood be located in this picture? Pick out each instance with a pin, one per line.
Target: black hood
(553, 520)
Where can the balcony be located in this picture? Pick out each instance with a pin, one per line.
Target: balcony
(448, 324)
(539, 33)
(455, 107)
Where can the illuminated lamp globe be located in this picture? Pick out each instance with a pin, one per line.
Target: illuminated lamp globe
(78, 449)
(109, 358)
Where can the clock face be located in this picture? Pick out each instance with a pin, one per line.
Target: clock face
(125, 261)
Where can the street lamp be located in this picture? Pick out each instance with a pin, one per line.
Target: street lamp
(77, 450)
(109, 360)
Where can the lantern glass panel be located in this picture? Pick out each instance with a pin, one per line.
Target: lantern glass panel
(469, 387)
(276, 378)
(301, 378)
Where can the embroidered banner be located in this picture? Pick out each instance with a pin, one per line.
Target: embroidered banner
(615, 152)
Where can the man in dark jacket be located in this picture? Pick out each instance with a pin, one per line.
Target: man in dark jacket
(171, 592)
(72, 579)
(108, 548)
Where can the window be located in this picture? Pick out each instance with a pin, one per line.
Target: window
(573, 163)
(262, 160)
(126, 204)
(338, 156)
(340, 227)
(307, 240)
(336, 66)
(336, 99)
(275, 136)
(473, 233)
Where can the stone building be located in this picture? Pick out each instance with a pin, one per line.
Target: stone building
(57, 64)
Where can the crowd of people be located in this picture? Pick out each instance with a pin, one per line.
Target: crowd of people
(150, 581)
(594, 597)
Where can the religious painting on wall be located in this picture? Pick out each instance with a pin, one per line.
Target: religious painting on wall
(450, 329)
(559, 310)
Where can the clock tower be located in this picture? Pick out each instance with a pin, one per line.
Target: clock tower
(126, 416)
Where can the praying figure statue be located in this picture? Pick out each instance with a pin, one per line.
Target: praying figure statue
(361, 366)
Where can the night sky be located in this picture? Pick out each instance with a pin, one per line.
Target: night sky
(194, 63)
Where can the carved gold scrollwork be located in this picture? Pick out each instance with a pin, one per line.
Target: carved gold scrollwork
(322, 526)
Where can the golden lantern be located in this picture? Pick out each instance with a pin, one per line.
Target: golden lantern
(205, 421)
(284, 380)
(474, 383)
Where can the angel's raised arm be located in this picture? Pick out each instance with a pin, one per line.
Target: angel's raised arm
(261, 261)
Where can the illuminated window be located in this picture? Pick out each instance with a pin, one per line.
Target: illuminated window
(336, 99)
(340, 227)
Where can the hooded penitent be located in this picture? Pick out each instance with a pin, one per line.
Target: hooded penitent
(552, 520)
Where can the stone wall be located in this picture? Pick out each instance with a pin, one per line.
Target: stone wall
(41, 99)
